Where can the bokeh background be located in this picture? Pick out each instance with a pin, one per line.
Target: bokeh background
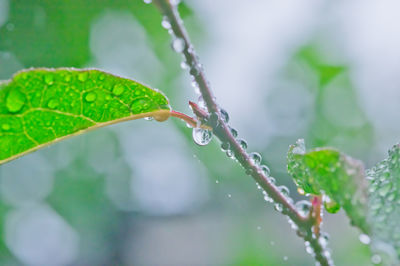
(143, 193)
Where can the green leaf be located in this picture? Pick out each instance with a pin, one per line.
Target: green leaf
(384, 199)
(42, 106)
(326, 171)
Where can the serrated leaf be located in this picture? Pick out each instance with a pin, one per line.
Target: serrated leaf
(42, 106)
(383, 205)
(326, 171)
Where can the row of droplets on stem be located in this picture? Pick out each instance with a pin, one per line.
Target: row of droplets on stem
(203, 137)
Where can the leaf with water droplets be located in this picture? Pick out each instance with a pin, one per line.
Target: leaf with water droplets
(383, 205)
(42, 106)
(329, 172)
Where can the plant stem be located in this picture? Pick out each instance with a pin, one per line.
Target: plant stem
(190, 120)
(223, 132)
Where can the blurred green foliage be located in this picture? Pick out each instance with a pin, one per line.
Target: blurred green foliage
(56, 34)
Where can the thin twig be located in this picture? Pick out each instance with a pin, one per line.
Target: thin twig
(223, 132)
(189, 120)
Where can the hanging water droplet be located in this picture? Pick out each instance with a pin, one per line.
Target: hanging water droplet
(201, 136)
(201, 102)
(266, 197)
(174, 2)
(284, 190)
(118, 89)
(178, 45)
(5, 127)
(149, 118)
(278, 207)
(229, 153)
(376, 259)
(147, 1)
(224, 115)
(91, 97)
(184, 65)
(364, 239)
(165, 23)
(272, 179)
(195, 70)
(242, 143)
(234, 132)
(82, 76)
(303, 207)
(309, 250)
(52, 104)
(249, 171)
(15, 101)
(213, 119)
(49, 79)
(323, 239)
(330, 205)
(225, 146)
(255, 157)
(216, 181)
(229, 196)
(265, 170)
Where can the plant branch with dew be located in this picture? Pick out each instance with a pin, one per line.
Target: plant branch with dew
(303, 216)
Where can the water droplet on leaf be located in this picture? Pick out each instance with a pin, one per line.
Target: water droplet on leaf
(49, 79)
(15, 101)
(82, 76)
(67, 78)
(91, 97)
(118, 89)
(384, 190)
(330, 205)
(139, 104)
(5, 127)
(53, 103)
